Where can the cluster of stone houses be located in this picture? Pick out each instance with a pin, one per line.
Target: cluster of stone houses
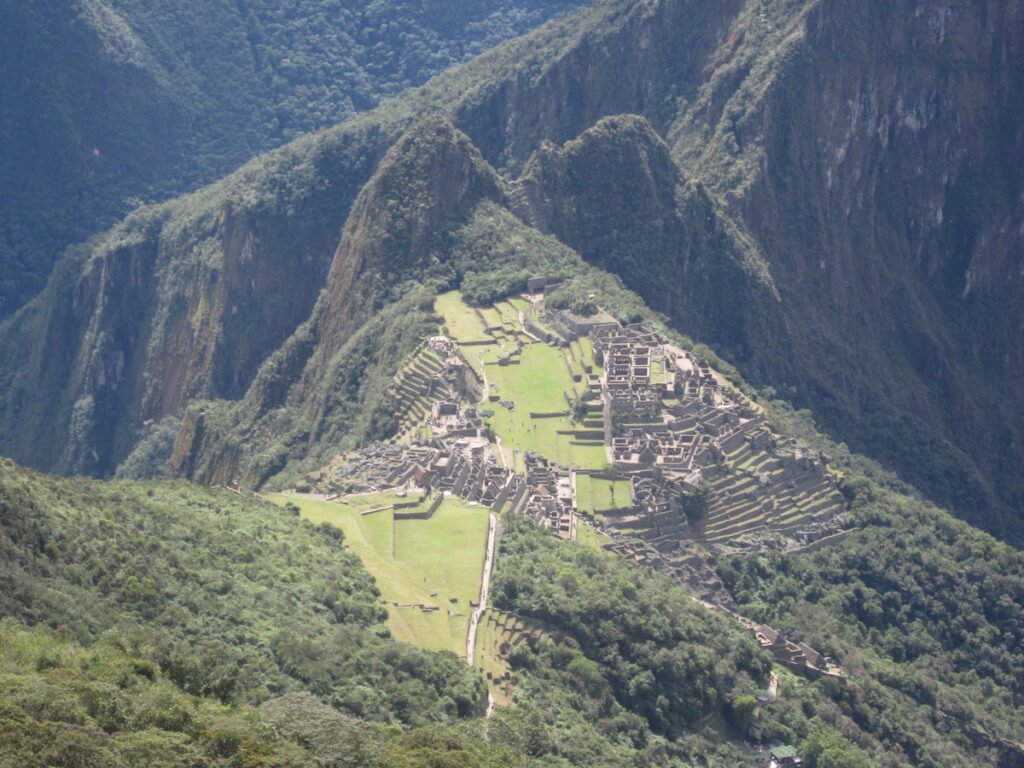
(669, 426)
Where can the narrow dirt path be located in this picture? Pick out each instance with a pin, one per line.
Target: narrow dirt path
(485, 588)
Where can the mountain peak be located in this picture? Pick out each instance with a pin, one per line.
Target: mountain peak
(425, 185)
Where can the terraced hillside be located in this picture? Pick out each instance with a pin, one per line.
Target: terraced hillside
(416, 387)
(648, 439)
(499, 633)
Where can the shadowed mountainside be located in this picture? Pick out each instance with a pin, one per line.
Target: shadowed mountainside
(106, 104)
(824, 190)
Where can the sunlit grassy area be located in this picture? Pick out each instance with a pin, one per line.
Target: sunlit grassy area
(492, 317)
(509, 314)
(462, 320)
(597, 495)
(538, 384)
(427, 562)
(589, 537)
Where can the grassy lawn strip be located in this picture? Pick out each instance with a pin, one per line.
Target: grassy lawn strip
(596, 495)
(588, 537)
(462, 320)
(414, 561)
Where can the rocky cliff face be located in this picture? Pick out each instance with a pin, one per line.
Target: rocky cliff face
(617, 196)
(879, 172)
(105, 104)
(368, 318)
(860, 167)
(828, 191)
(177, 303)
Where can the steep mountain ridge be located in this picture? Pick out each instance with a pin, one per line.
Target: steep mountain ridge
(397, 235)
(106, 104)
(616, 196)
(879, 173)
(311, 183)
(426, 184)
(893, 360)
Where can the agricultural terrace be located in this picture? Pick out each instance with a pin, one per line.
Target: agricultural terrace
(496, 635)
(462, 321)
(430, 568)
(588, 536)
(537, 378)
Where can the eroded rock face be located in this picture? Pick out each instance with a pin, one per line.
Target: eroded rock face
(888, 202)
(846, 226)
(108, 103)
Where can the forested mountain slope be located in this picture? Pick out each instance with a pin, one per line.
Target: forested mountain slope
(192, 627)
(822, 189)
(167, 624)
(105, 104)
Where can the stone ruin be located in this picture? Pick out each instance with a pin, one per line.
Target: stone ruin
(668, 425)
(550, 499)
(436, 372)
(674, 430)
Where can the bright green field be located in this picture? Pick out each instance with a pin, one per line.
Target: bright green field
(589, 537)
(492, 317)
(414, 561)
(461, 319)
(509, 315)
(596, 495)
(539, 384)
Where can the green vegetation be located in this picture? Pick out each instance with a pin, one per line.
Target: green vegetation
(652, 649)
(595, 495)
(540, 383)
(923, 610)
(588, 537)
(178, 609)
(436, 562)
(148, 99)
(574, 298)
(497, 635)
(111, 704)
(462, 321)
(234, 597)
(62, 704)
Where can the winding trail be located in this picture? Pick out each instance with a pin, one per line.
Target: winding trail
(485, 587)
